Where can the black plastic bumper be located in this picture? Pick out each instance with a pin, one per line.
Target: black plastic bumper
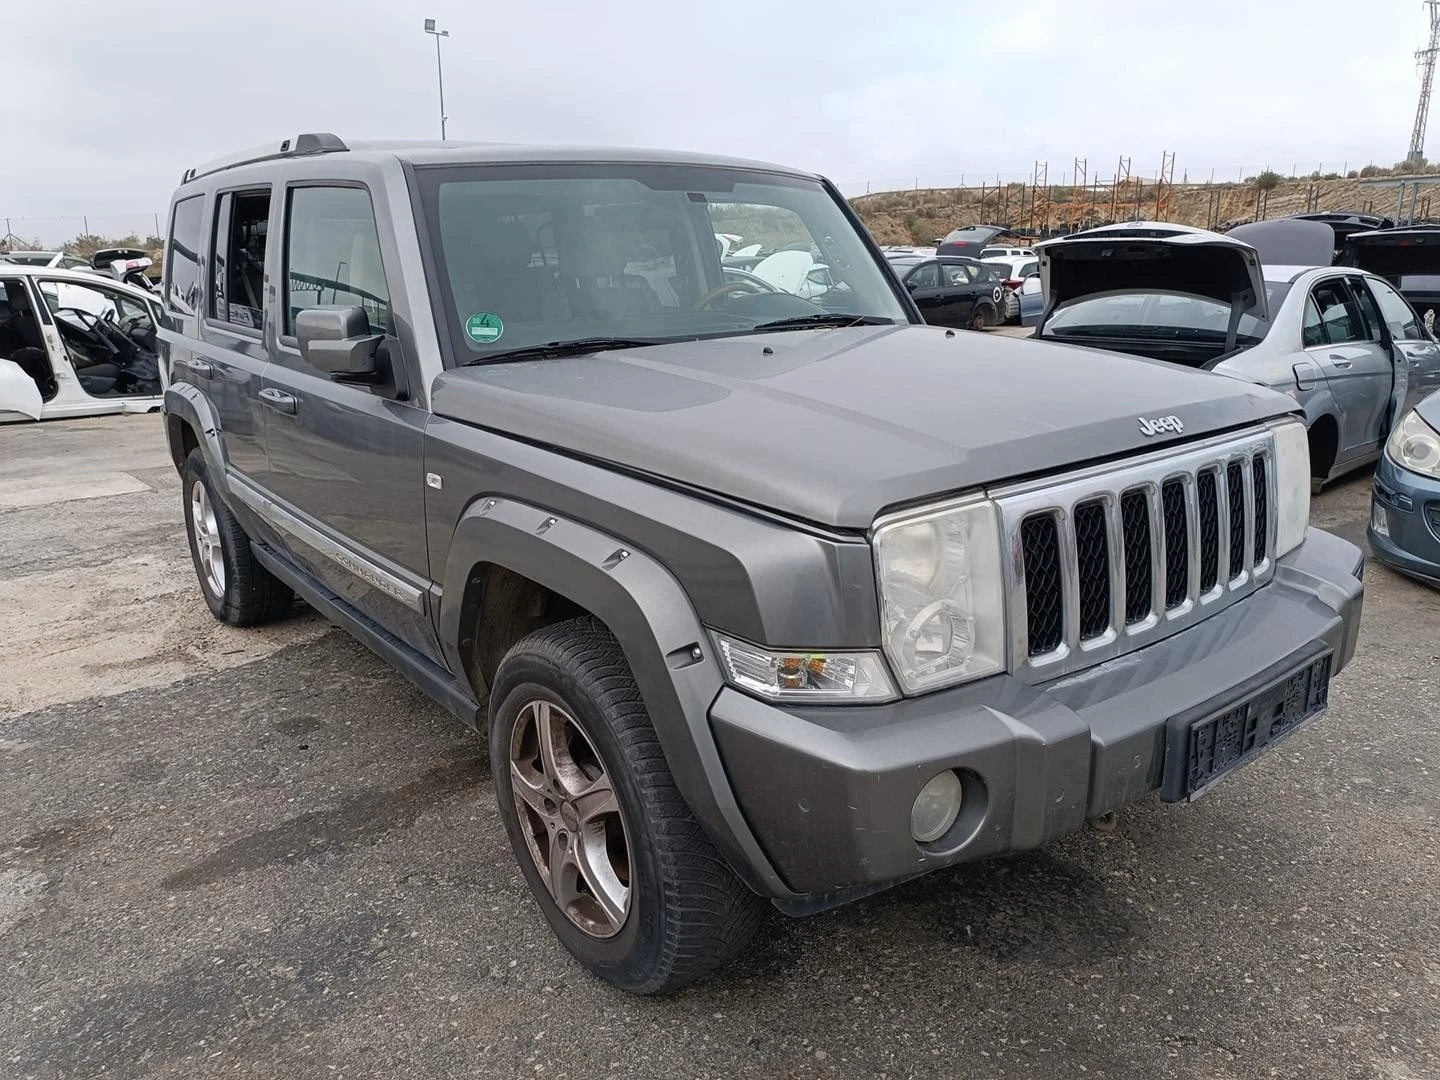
(828, 791)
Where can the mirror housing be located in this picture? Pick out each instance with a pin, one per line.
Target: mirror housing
(336, 339)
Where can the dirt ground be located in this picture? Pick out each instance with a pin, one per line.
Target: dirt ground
(262, 854)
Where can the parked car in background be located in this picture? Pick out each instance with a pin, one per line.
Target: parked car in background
(1024, 297)
(1404, 528)
(1006, 253)
(1341, 342)
(74, 344)
(52, 259)
(951, 291)
(1345, 224)
(1407, 257)
(973, 239)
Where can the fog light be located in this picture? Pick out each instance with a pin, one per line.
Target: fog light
(1379, 520)
(936, 808)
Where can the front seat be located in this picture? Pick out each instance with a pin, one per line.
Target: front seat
(597, 285)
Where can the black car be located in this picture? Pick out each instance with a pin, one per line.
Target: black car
(951, 291)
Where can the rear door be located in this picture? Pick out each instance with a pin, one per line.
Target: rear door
(345, 458)
(962, 290)
(1417, 356)
(1356, 365)
(229, 359)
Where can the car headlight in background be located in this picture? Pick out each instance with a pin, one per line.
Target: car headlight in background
(1415, 445)
(1292, 484)
(798, 676)
(942, 597)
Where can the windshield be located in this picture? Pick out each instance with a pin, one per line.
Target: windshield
(1158, 314)
(537, 254)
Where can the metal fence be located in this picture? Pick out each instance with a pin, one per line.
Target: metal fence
(54, 232)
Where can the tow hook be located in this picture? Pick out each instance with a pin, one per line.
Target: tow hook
(1106, 823)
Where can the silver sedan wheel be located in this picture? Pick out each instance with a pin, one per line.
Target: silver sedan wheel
(205, 532)
(570, 818)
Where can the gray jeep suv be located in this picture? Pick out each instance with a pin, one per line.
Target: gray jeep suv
(766, 591)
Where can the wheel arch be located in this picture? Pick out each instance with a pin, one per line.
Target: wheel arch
(570, 568)
(1324, 436)
(190, 423)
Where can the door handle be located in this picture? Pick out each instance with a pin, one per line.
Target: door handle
(204, 368)
(1340, 361)
(278, 400)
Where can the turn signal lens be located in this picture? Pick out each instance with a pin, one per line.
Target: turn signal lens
(797, 676)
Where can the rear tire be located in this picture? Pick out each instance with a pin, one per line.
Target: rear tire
(641, 898)
(236, 588)
(980, 318)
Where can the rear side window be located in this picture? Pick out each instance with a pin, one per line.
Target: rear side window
(1398, 314)
(332, 254)
(182, 256)
(238, 258)
(957, 274)
(1312, 331)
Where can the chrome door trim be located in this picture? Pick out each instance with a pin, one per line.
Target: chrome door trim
(364, 567)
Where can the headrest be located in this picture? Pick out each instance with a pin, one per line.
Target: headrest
(596, 252)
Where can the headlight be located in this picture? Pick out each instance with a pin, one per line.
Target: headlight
(1415, 445)
(942, 599)
(800, 676)
(1292, 484)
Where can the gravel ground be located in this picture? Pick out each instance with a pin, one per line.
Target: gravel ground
(262, 854)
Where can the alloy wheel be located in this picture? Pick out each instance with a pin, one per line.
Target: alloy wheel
(571, 818)
(206, 530)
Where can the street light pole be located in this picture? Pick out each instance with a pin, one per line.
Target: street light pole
(439, 69)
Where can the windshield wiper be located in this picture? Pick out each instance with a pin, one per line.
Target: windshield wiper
(823, 319)
(575, 347)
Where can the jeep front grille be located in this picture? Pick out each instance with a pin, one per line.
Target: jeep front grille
(1113, 558)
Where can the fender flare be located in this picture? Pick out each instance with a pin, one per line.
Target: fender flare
(186, 405)
(669, 652)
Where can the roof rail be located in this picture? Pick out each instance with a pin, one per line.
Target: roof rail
(310, 142)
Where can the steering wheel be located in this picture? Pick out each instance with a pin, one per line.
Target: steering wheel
(90, 323)
(711, 295)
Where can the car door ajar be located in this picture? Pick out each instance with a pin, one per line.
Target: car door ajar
(345, 458)
(1417, 356)
(923, 281)
(1357, 367)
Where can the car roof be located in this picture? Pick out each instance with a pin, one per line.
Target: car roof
(434, 152)
(78, 277)
(17, 251)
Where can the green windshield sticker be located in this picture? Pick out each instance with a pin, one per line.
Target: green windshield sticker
(484, 327)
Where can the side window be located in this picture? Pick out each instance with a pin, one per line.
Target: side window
(1396, 311)
(1368, 311)
(332, 254)
(182, 256)
(924, 276)
(1028, 268)
(1312, 331)
(238, 258)
(958, 274)
(1338, 313)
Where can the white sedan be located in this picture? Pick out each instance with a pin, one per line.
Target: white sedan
(74, 344)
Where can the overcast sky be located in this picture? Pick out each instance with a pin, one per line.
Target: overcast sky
(106, 103)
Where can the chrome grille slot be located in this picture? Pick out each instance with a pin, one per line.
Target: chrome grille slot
(1110, 559)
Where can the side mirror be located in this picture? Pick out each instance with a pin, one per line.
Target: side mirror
(337, 340)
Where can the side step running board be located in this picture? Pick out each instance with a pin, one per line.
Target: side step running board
(420, 670)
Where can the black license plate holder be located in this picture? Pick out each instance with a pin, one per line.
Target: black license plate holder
(1205, 744)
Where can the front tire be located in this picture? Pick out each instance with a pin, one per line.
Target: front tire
(237, 589)
(622, 871)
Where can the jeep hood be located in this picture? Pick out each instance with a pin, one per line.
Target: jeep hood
(835, 426)
(1151, 257)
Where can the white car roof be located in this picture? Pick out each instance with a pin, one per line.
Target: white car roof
(76, 277)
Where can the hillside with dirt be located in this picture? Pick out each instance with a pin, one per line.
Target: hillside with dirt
(919, 217)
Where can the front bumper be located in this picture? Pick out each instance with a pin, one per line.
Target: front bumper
(828, 791)
(1409, 506)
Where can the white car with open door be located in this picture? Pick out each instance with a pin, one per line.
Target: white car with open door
(74, 344)
(1343, 343)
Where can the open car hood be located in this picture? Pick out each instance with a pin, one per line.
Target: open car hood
(1290, 241)
(1147, 256)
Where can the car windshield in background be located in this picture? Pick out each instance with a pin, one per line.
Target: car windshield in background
(1159, 315)
(546, 254)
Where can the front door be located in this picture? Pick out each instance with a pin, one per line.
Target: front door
(105, 339)
(925, 287)
(1357, 366)
(27, 379)
(345, 459)
(1417, 356)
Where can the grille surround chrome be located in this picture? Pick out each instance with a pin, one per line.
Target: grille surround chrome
(1106, 484)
